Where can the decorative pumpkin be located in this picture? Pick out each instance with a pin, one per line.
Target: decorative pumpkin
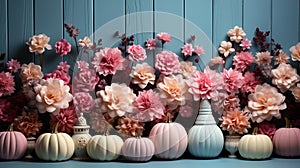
(138, 149)
(54, 146)
(104, 147)
(286, 142)
(255, 146)
(205, 137)
(170, 140)
(13, 145)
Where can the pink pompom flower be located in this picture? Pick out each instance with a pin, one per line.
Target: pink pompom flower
(233, 80)
(83, 102)
(187, 50)
(164, 37)
(167, 62)
(7, 84)
(136, 53)
(151, 44)
(62, 47)
(13, 65)
(242, 60)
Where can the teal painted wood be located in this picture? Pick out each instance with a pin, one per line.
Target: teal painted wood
(20, 26)
(256, 16)
(227, 14)
(3, 30)
(198, 22)
(49, 20)
(171, 21)
(285, 25)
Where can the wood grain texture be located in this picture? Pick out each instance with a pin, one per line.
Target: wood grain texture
(3, 30)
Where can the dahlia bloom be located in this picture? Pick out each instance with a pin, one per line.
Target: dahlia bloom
(151, 44)
(148, 106)
(233, 80)
(200, 85)
(186, 68)
(242, 60)
(85, 80)
(7, 84)
(282, 57)
(13, 65)
(142, 74)
(85, 42)
(66, 119)
(199, 50)
(231, 103)
(235, 122)
(296, 92)
(245, 44)
(265, 103)
(187, 50)
(226, 48)
(165, 37)
(28, 124)
(52, 95)
(38, 43)
(136, 53)
(285, 76)
(236, 34)
(108, 61)
(267, 128)
(62, 47)
(167, 62)
(250, 82)
(116, 100)
(7, 110)
(295, 50)
(263, 58)
(58, 74)
(130, 127)
(83, 102)
(30, 72)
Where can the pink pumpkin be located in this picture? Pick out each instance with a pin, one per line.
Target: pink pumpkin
(138, 149)
(286, 142)
(13, 145)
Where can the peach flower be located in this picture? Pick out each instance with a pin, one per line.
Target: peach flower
(186, 68)
(282, 57)
(226, 48)
(236, 34)
(263, 58)
(296, 92)
(216, 61)
(116, 100)
(265, 103)
(285, 76)
(52, 95)
(30, 72)
(295, 50)
(85, 42)
(130, 127)
(142, 74)
(235, 122)
(38, 43)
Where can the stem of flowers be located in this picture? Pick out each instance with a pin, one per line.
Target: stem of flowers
(76, 45)
(42, 60)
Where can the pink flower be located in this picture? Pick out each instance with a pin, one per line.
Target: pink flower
(200, 85)
(242, 60)
(13, 65)
(62, 47)
(148, 106)
(164, 37)
(233, 80)
(82, 65)
(231, 103)
(66, 119)
(282, 57)
(85, 80)
(265, 103)
(186, 111)
(7, 84)
(250, 82)
(86, 42)
(267, 128)
(58, 74)
(83, 102)
(142, 74)
(226, 48)
(245, 44)
(30, 72)
(263, 58)
(28, 124)
(199, 50)
(7, 112)
(167, 62)
(38, 43)
(295, 50)
(108, 61)
(130, 127)
(136, 53)
(187, 50)
(285, 77)
(236, 34)
(151, 44)
(235, 122)
(63, 66)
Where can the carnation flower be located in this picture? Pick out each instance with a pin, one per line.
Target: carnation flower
(231, 103)
(151, 44)
(245, 44)
(59, 74)
(167, 62)
(30, 72)
(296, 92)
(187, 50)
(82, 65)
(52, 95)
(38, 43)
(186, 68)
(108, 61)
(233, 80)
(235, 122)
(7, 84)
(148, 106)
(199, 50)
(86, 42)
(263, 58)
(236, 34)
(13, 65)
(200, 85)
(66, 119)
(282, 57)
(164, 37)
(136, 53)
(83, 102)
(28, 124)
(62, 47)
(63, 66)
(285, 76)
(130, 127)
(295, 50)
(267, 128)
(265, 103)
(250, 82)
(242, 60)
(116, 100)
(142, 74)
(216, 61)
(226, 48)
(85, 80)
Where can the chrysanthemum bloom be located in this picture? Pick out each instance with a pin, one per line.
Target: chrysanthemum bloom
(231, 103)
(216, 61)
(233, 80)
(108, 61)
(85, 42)
(186, 68)
(235, 122)
(116, 100)
(38, 43)
(151, 44)
(263, 58)
(163, 36)
(200, 85)
(242, 60)
(265, 103)
(148, 106)
(285, 76)
(62, 47)
(85, 80)
(30, 72)
(142, 74)
(199, 50)
(130, 127)
(83, 102)
(250, 82)
(52, 95)
(236, 34)
(226, 48)
(7, 110)
(136, 53)
(66, 118)
(187, 50)
(245, 44)
(267, 128)
(7, 84)
(174, 91)
(13, 65)
(167, 62)
(282, 57)
(296, 92)
(28, 124)
(295, 50)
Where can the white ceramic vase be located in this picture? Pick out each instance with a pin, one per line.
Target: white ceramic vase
(231, 144)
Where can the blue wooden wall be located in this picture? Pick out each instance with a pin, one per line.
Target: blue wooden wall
(20, 19)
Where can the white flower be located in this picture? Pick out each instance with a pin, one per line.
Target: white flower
(226, 48)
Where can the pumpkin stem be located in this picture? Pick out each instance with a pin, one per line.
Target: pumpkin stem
(11, 127)
(287, 123)
(168, 119)
(255, 131)
(106, 132)
(55, 128)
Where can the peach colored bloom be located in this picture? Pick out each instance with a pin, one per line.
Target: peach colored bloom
(186, 68)
(7, 84)
(265, 103)
(282, 57)
(167, 62)
(116, 100)
(226, 48)
(163, 36)
(231, 103)
(38, 43)
(30, 72)
(151, 44)
(28, 124)
(235, 122)
(296, 92)
(52, 95)
(236, 34)
(85, 42)
(285, 76)
(136, 53)
(216, 61)
(142, 74)
(295, 50)
(187, 50)
(130, 127)
(199, 50)
(263, 58)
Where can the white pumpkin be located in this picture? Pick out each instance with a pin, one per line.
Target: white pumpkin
(104, 147)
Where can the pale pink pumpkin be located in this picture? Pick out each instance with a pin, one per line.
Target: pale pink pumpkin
(287, 142)
(138, 149)
(13, 145)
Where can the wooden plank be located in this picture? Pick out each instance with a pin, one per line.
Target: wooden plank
(20, 26)
(285, 22)
(3, 31)
(49, 20)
